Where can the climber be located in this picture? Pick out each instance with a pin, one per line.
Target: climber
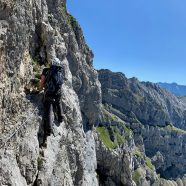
(51, 81)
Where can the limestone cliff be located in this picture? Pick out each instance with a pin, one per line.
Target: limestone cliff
(157, 120)
(125, 134)
(32, 33)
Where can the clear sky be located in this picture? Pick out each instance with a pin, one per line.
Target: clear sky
(141, 38)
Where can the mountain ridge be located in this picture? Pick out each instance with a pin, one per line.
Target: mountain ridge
(153, 114)
(176, 89)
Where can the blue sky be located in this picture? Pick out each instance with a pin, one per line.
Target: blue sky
(141, 38)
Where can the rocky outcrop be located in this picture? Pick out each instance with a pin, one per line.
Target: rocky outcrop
(148, 102)
(33, 33)
(156, 117)
(119, 160)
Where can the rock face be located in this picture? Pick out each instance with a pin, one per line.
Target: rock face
(156, 118)
(33, 33)
(148, 102)
(123, 135)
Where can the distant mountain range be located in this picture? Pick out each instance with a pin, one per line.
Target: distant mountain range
(178, 90)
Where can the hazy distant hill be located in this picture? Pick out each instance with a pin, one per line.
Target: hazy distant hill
(178, 90)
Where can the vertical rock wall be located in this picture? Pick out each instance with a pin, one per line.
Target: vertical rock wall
(32, 33)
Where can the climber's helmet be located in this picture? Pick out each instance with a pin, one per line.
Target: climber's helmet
(56, 62)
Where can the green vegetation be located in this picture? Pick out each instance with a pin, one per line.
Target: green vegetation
(63, 8)
(170, 127)
(34, 61)
(115, 133)
(119, 139)
(108, 116)
(149, 163)
(73, 20)
(137, 174)
(111, 136)
(105, 137)
(138, 154)
(36, 65)
(128, 132)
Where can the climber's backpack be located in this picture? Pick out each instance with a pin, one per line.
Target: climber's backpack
(54, 80)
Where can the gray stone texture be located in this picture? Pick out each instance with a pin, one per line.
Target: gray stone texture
(157, 119)
(33, 33)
